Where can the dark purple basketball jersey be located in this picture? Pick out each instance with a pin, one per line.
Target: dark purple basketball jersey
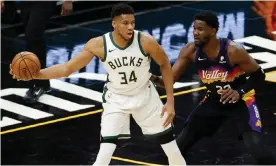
(218, 73)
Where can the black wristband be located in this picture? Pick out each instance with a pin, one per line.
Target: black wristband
(241, 92)
(255, 82)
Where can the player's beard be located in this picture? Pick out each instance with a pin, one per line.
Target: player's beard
(204, 41)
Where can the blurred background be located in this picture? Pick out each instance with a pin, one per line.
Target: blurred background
(169, 22)
(252, 23)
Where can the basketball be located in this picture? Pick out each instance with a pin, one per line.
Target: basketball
(25, 64)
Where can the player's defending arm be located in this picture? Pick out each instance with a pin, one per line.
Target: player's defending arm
(151, 47)
(239, 56)
(180, 64)
(74, 64)
(183, 60)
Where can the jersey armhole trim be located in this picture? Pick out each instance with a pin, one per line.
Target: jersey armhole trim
(140, 45)
(196, 55)
(227, 43)
(105, 49)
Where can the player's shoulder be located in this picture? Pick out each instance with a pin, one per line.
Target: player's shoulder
(146, 38)
(234, 48)
(188, 50)
(143, 35)
(96, 42)
(96, 46)
(190, 46)
(147, 42)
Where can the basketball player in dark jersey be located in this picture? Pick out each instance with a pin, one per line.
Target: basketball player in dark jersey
(222, 66)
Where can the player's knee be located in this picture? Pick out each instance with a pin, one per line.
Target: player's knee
(109, 139)
(166, 137)
(253, 142)
(252, 139)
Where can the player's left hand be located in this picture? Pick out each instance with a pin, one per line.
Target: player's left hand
(169, 109)
(229, 95)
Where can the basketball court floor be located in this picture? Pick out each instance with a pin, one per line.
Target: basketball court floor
(63, 127)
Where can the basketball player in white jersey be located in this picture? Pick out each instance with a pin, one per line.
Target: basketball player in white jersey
(125, 54)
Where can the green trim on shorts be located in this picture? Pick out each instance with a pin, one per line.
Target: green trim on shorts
(110, 137)
(153, 84)
(117, 136)
(159, 134)
(103, 96)
(124, 135)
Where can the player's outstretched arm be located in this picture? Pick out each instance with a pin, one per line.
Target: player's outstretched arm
(180, 64)
(183, 60)
(74, 64)
(66, 69)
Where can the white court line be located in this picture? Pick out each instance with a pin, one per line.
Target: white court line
(23, 110)
(259, 41)
(6, 121)
(247, 48)
(76, 90)
(48, 99)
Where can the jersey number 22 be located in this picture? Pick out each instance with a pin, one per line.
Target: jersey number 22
(223, 87)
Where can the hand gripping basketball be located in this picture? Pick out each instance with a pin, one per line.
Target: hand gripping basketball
(25, 66)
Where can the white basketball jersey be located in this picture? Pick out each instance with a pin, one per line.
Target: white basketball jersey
(128, 67)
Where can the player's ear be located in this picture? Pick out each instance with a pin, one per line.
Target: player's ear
(113, 23)
(213, 31)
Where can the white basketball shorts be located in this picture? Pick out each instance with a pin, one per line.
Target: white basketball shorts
(146, 109)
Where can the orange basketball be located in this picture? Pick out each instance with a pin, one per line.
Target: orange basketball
(25, 64)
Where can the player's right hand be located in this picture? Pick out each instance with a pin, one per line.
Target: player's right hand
(16, 77)
(13, 75)
(169, 109)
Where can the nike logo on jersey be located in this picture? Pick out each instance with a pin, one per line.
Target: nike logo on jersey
(243, 91)
(111, 50)
(216, 74)
(201, 59)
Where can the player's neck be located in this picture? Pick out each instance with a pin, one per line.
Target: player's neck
(211, 48)
(119, 40)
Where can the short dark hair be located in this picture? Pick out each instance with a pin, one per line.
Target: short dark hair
(121, 8)
(209, 17)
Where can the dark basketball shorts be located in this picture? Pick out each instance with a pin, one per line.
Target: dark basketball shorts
(209, 116)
